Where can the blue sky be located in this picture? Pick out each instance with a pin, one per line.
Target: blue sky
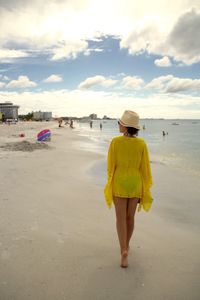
(80, 57)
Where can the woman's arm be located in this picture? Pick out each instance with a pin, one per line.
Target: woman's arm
(110, 172)
(145, 170)
(110, 160)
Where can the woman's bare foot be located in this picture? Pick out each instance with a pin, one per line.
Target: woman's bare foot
(124, 259)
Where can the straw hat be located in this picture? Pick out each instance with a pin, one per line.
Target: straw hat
(130, 119)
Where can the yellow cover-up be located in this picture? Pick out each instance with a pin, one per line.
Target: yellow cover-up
(129, 171)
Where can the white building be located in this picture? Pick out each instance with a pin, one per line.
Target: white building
(42, 115)
(9, 111)
(47, 115)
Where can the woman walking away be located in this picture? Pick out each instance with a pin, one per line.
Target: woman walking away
(129, 179)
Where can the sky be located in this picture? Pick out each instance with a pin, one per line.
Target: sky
(78, 57)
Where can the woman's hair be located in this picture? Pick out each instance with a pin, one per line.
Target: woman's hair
(132, 131)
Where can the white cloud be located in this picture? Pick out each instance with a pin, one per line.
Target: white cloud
(132, 82)
(163, 62)
(159, 82)
(184, 39)
(163, 84)
(91, 81)
(7, 55)
(171, 84)
(2, 84)
(80, 103)
(69, 50)
(53, 78)
(177, 85)
(139, 40)
(22, 82)
(89, 51)
(180, 41)
(96, 80)
(3, 77)
(61, 22)
(109, 82)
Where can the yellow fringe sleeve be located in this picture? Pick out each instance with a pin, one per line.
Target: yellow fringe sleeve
(145, 169)
(110, 172)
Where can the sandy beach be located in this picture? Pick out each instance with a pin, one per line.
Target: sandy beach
(58, 238)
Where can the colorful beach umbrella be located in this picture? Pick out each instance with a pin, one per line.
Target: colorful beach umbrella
(44, 135)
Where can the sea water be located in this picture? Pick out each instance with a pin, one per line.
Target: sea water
(179, 148)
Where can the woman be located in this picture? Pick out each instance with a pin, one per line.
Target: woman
(129, 179)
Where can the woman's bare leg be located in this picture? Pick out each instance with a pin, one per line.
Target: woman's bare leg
(131, 208)
(121, 211)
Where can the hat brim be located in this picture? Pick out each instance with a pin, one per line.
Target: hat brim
(128, 125)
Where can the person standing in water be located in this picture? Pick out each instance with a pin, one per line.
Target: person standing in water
(129, 179)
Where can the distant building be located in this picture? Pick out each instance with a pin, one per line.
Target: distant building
(42, 116)
(93, 116)
(106, 118)
(47, 115)
(9, 111)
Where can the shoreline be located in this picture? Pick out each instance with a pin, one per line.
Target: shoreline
(163, 150)
(58, 238)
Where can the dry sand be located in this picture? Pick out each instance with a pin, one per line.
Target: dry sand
(58, 239)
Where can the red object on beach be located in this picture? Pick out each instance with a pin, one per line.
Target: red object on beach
(21, 135)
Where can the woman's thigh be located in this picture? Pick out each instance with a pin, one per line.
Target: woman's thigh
(120, 206)
(131, 206)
